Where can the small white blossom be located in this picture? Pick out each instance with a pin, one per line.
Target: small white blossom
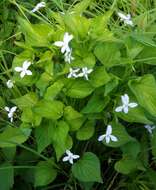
(126, 19)
(10, 83)
(73, 73)
(125, 104)
(24, 69)
(68, 56)
(11, 112)
(108, 136)
(38, 6)
(85, 72)
(150, 128)
(65, 43)
(70, 157)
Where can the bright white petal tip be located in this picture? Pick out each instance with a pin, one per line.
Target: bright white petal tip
(126, 19)
(70, 157)
(24, 69)
(10, 84)
(125, 104)
(11, 112)
(108, 136)
(38, 6)
(64, 45)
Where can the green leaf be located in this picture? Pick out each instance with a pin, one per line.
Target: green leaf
(99, 27)
(148, 55)
(113, 83)
(99, 77)
(73, 118)
(49, 109)
(14, 136)
(28, 116)
(152, 177)
(108, 54)
(82, 6)
(143, 38)
(95, 105)
(127, 165)
(26, 101)
(86, 131)
(78, 88)
(41, 32)
(43, 82)
(119, 131)
(2, 102)
(53, 90)
(44, 134)
(77, 25)
(6, 176)
(87, 169)
(45, 173)
(9, 153)
(60, 138)
(153, 143)
(136, 115)
(144, 88)
(131, 149)
(18, 62)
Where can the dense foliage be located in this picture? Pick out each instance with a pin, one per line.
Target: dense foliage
(77, 96)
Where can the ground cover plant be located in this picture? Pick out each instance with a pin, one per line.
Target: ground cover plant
(77, 96)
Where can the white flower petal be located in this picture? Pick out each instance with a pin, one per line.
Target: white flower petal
(109, 130)
(67, 38)
(18, 69)
(107, 139)
(10, 114)
(101, 137)
(125, 99)
(89, 71)
(7, 109)
(26, 64)
(28, 72)
(113, 138)
(66, 158)
(11, 119)
(69, 75)
(129, 22)
(22, 74)
(71, 160)
(76, 156)
(68, 152)
(125, 109)
(122, 16)
(13, 109)
(10, 83)
(119, 109)
(59, 43)
(132, 105)
(63, 49)
(80, 75)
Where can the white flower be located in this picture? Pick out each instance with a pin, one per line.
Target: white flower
(126, 19)
(38, 6)
(10, 112)
(24, 69)
(68, 57)
(73, 73)
(70, 157)
(108, 136)
(85, 72)
(10, 83)
(150, 128)
(125, 104)
(65, 43)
